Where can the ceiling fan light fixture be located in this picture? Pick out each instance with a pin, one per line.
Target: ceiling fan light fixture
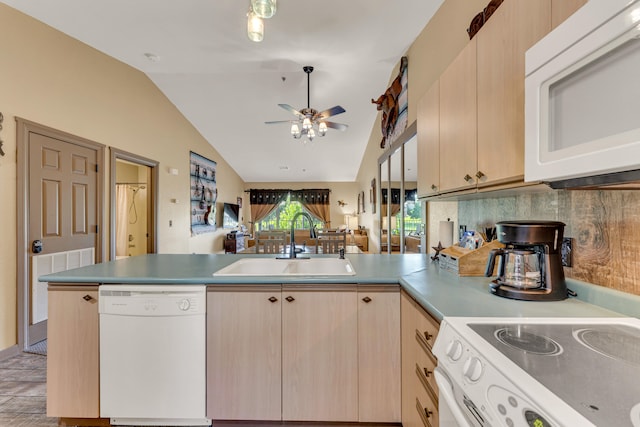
(255, 27)
(306, 123)
(311, 134)
(265, 9)
(322, 128)
(295, 131)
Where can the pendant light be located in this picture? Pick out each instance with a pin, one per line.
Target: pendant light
(265, 9)
(255, 27)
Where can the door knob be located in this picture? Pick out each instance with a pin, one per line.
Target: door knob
(36, 246)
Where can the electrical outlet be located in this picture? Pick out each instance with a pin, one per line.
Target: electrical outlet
(565, 251)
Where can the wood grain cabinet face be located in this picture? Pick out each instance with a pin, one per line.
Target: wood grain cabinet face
(562, 9)
(379, 355)
(73, 370)
(502, 42)
(320, 355)
(419, 391)
(244, 354)
(429, 142)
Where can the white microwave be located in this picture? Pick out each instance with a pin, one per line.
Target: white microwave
(582, 95)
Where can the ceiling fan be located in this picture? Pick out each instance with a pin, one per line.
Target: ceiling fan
(311, 122)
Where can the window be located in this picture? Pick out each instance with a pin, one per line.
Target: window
(280, 218)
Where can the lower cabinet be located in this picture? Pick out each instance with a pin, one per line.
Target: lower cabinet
(303, 353)
(73, 370)
(419, 390)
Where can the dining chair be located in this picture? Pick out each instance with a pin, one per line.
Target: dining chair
(331, 243)
(271, 242)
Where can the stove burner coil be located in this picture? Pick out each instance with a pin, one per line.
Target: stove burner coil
(516, 338)
(613, 344)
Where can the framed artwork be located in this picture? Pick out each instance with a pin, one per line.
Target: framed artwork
(361, 202)
(239, 202)
(204, 193)
(372, 195)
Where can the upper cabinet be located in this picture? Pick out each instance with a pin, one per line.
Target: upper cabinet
(479, 121)
(513, 28)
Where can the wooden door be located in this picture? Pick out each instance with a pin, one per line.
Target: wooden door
(502, 42)
(72, 352)
(244, 353)
(429, 142)
(458, 150)
(320, 354)
(379, 354)
(61, 215)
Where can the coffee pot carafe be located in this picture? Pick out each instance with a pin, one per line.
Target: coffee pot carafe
(530, 265)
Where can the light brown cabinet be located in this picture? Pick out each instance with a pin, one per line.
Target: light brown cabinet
(502, 42)
(244, 352)
(429, 142)
(320, 353)
(379, 380)
(458, 142)
(419, 390)
(562, 9)
(481, 106)
(73, 370)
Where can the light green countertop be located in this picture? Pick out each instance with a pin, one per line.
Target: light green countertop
(442, 293)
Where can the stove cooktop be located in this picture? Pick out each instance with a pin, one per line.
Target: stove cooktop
(594, 368)
(590, 364)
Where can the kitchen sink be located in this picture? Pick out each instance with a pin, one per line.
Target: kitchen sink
(288, 267)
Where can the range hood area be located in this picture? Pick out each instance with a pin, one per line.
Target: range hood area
(625, 180)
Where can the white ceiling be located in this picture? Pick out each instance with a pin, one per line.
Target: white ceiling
(228, 86)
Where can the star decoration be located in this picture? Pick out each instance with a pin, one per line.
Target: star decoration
(437, 249)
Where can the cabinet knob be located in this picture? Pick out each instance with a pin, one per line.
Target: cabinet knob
(273, 299)
(468, 178)
(427, 335)
(434, 187)
(290, 298)
(479, 174)
(427, 372)
(367, 300)
(87, 297)
(427, 412)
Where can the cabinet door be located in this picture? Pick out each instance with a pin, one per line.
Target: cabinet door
(562, 9)
(244, 353)
(320, 355)
(429, 142)
(458, 155)
(502, 42)
(73, 352)
(379, 354)
(408, 312)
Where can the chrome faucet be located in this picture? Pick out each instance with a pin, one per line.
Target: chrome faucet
(312, 232)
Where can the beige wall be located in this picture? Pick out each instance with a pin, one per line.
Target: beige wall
(49, 78)
(433, 50)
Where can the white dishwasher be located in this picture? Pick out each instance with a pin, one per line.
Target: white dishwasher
(153, 354)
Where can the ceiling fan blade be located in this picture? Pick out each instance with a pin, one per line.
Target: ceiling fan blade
(290, 109)
(331, 112)
(339, 126)
(279, 121)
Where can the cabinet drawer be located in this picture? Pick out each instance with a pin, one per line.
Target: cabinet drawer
(427, 408)
(424, 371)
(427, 328)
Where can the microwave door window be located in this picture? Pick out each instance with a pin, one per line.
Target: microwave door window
(595, 104)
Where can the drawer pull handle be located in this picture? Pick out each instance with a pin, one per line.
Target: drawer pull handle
(290, 298)
(428, 413)
(367, 300)
(433, 187)
(273, 299)
(87, 297)
(427, 335)
(479, 174)
(427, 372)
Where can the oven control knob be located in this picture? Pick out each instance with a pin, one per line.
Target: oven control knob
(472, 369)
(454, 350)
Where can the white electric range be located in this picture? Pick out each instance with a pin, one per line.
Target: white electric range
(539, 372)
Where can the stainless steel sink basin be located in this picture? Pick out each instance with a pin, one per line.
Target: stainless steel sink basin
(288, 267)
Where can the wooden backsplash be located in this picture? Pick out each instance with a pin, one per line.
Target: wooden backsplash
(604, 225)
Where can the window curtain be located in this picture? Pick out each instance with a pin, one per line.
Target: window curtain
(263, 202)
(316, 202)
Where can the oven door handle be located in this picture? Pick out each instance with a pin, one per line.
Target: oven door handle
(446, 393)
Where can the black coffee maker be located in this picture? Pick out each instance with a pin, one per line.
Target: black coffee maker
(531, 263)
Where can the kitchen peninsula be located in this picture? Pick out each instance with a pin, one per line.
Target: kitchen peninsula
(366, 336)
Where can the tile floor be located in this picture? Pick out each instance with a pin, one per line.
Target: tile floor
(23, 392)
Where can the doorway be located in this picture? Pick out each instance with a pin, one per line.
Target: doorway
(59, 216)
(133, 205)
